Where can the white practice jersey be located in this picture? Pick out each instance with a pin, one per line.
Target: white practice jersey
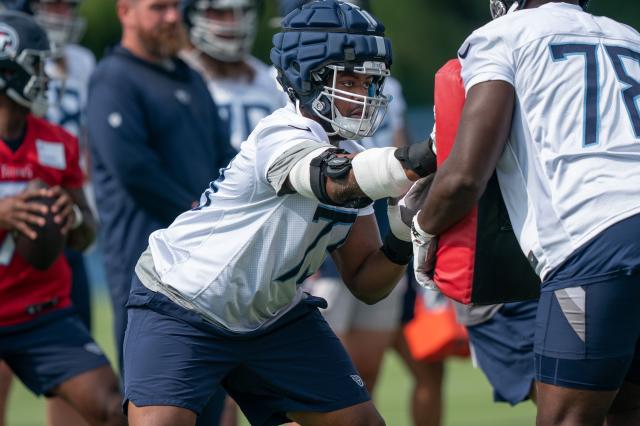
(242, 104)
(240, 257)
(68, 95)
(571, 167)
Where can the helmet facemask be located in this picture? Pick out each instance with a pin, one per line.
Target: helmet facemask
(228, 41)
(500, 8)
(372, 107)
(61, 28)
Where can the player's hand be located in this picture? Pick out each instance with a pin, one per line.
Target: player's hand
(401, 210)
(17, 213)
(62, 209)
(425, 246)
(414, 199)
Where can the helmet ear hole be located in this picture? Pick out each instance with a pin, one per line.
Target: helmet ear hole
(322, 105)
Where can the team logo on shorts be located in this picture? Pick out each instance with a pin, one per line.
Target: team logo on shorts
(93, 348)
(8, 41)
(357, 379)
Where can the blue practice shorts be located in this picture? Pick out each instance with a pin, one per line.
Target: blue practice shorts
(50, 350)
(503, 349)
(587, 337)
(173, 357)
(588, 322)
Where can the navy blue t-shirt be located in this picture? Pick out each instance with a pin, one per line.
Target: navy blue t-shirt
(156, 142)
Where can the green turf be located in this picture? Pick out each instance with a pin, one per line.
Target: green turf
(467, 402)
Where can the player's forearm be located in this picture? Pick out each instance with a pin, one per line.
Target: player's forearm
(84, 234)
(376, 278)
(450, 198)
(82, 237)
(335, 178)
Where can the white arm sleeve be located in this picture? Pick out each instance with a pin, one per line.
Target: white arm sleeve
(300, 174)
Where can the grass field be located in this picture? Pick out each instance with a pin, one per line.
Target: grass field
(467, 403)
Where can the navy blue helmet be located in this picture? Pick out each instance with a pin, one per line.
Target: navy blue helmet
(228, 40)
(24, 49)
(286, 6)
(321, 39)
(501, 7)
(62, 28)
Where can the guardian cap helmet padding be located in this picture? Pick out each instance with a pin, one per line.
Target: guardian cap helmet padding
(287, 6)
(321, 39)
(24, 50)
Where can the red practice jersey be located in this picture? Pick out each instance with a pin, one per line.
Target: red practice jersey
(50, 154)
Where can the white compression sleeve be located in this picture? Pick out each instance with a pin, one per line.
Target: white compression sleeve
(379, 173)
(300, 174)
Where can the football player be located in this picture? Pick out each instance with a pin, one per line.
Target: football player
(68, 70)
(222, 33)
(42, 339)
(216, 298)
(551, 101)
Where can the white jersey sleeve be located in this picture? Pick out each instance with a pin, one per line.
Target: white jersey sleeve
(485, 56)
(569, 169)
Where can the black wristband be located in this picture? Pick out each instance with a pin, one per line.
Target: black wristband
(396, 250)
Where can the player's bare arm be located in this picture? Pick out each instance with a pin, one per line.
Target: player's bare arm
(460, 181)
(364, 267)
(17, 213)
(72, 211)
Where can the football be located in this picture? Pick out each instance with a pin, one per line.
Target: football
(45, 249)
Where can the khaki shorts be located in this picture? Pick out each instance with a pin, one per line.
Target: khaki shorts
(346, 313)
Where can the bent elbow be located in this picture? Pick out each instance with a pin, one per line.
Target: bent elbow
(368, 297)
(465, 184)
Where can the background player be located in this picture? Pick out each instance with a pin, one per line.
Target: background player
(41, 338)
(68, 70)
(566, 167)
(222, 33)
(249, 301)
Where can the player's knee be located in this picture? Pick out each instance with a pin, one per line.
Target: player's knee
(370, 417)
(375, 420)
(108, 411)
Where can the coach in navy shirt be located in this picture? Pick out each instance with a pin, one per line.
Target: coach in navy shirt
(155, 138)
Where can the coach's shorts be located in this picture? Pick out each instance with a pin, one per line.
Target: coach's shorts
(587, 337)
(503, 349)
(172, 357)
(52, 350)
(345, 312)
